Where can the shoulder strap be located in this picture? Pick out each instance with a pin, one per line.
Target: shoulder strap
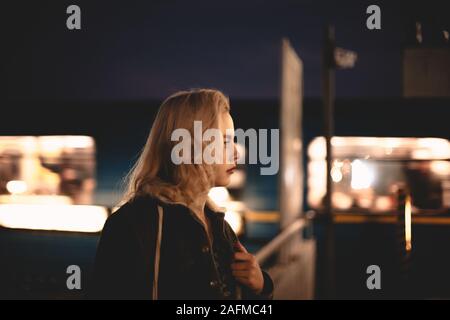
(157, 253)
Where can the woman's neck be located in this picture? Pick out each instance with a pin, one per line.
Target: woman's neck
(198, 205)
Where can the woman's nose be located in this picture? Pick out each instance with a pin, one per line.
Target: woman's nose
(236, 154)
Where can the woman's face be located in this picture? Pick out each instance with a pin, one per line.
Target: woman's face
(223, 171)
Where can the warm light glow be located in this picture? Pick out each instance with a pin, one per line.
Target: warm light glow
(317, 174)
(235, 221)
(377, 163)
(34, 199)
(383, 203)
(362, 175)
(55, 144)
(421, 154)
(16, 186)
(435, 148)
(25, 143)
(74, 218)
(219, 195)
(341, 200)
(381, 147)
(336, 173)
(408, 223)
(317, 148)
(440, 167)
(48, 165)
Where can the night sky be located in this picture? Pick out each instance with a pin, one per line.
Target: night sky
(138, 50)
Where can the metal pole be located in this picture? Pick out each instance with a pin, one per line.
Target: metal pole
(328, 79)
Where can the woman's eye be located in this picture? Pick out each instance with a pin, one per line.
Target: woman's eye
(230, 140)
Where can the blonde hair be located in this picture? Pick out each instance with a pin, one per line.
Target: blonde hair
(154, 173)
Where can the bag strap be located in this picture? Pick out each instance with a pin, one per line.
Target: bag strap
(157, 254)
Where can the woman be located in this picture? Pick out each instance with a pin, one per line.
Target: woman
(169, 240)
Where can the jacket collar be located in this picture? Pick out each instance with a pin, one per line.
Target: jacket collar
(178, 197)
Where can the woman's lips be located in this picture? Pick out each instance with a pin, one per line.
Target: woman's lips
(231, 170)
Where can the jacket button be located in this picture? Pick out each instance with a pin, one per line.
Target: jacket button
(205, 249)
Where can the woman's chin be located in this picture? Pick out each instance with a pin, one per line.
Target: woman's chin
(223, 182)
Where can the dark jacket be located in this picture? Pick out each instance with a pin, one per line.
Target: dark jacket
(189, 268)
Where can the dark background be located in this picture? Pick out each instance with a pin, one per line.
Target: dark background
(139, 50)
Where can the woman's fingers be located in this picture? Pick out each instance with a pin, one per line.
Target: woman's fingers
(240, 247)
(246, 270)
(241, 266)
(243, 256)
(243, 280)
(241, 273)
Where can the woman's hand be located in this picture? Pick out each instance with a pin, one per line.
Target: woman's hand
(246, 270)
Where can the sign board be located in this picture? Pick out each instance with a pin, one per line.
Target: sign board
(291, 144)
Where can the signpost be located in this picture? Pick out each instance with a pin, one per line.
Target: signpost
(332, 58)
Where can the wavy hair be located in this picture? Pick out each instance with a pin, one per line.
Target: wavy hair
(154, 173)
